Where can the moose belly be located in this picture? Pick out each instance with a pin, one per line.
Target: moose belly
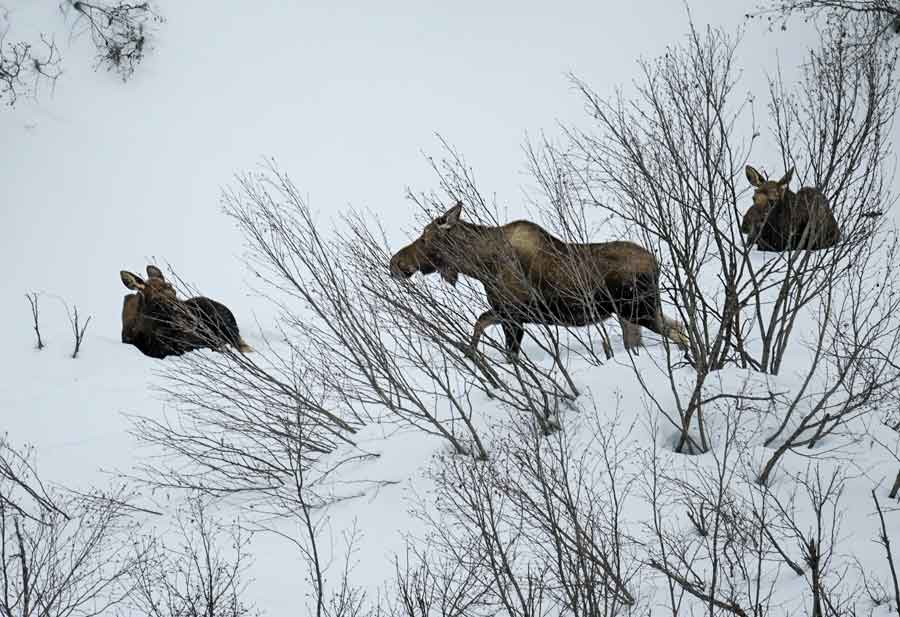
(563, 312)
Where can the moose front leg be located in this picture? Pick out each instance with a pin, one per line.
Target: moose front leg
(486, 320)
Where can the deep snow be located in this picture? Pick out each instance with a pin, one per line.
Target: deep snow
(104, 176)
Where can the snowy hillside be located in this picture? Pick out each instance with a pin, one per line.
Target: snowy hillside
(361, 441)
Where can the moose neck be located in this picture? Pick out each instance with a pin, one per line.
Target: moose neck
(475, 249)
(161, 308)
(787, 200)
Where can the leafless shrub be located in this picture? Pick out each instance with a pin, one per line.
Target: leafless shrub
(667, 165)
(412, 344)
(427, 585)
(78, 329)
(721, 560)
(817, 542)
(885, 542)
(538, 527)
(69, 559)
(22, 486)
(881, 17)
(857, 333)
(663, 168)
(266, 436)
(23, 65)
(199, 572)
(119, 31)
(33, 298)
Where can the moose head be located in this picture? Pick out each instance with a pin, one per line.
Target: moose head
(432, 251)
(145, 311)
(768, 193)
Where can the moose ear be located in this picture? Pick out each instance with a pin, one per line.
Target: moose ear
(451, 217)
(787, 178)
(155, 273)
(753, 176)
(131, 280)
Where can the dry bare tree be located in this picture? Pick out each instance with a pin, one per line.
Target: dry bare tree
(259, 430)
(412, 343)
(70, 558)
(25, 66)
(852, 370)
(816, 541)
(23, 488)
(198, 572)
(885, 541)
(120, 32)
(723, 559)
(33, 300)
(667, 164)
(880, 18)
(78, 329)
(539, 528)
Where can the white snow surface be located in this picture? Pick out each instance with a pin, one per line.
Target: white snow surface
(103, 176)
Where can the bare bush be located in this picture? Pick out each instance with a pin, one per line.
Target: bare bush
(33, 299)
(70, 559)
(537, 528)
(885, 542)
(721, 561)
(200, 572)
(817, 542)
(857, 333)
(118, 30)
(880, 17)
(412, 343)
(265, 436)
(24, 66)
(22, 486)
(78, 329)
(667, 165)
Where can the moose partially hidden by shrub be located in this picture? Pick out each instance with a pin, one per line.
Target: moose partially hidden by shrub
(159, 324)
(781, 220)
(530, 276)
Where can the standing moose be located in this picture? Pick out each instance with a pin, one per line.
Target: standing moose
(159, 324)
(781, 220)
(532, 277)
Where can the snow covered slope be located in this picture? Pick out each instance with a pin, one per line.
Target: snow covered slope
(104, 176)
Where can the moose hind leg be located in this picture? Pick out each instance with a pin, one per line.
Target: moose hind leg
(513, 331)
(631, 334)
(665, 327)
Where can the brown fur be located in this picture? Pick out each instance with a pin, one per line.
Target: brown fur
(159, 324)
(782, 220)
(530, 276)
(132, 320)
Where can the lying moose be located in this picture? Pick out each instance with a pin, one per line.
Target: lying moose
(781, 220)
(159, 324)
(532, 277)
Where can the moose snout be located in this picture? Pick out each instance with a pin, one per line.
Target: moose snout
(400, 269)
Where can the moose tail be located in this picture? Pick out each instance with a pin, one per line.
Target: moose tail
(243, 347)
